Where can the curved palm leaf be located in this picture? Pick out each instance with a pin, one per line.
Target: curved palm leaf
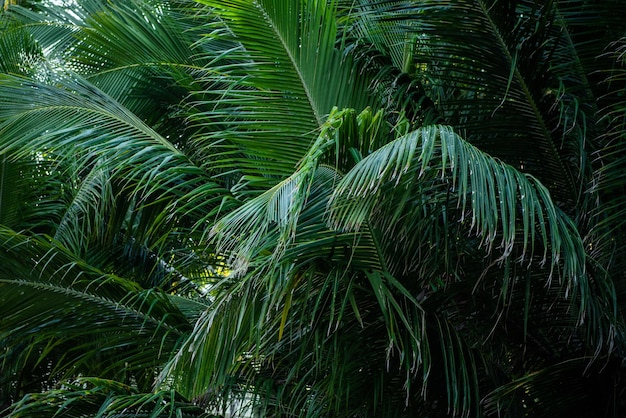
(491, 189)
(81, 122)
(494, 70)
(101, 398)
(288, 85)
(72, 319)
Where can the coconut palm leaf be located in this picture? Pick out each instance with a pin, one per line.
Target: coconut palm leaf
(488, 187)
(137, 48)
(288, 85)
(491, 72)
(475, 198)
(80, 121)
(70, 319)
(20, 54)
(102, 398)
(50, 27)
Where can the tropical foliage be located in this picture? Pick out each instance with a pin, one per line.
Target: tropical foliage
(312, 208)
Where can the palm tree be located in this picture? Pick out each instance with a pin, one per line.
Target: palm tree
(338, 208)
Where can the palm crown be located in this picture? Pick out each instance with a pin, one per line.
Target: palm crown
(323, 208)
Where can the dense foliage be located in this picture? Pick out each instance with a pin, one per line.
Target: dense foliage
(341, 208)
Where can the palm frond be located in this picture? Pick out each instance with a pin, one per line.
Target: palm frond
(488, 70)
(19, 51)
(284, 90)
(72, 319)
(494, 193)
(102, 398)
(274, 240)
(79, 121)
(590, 392)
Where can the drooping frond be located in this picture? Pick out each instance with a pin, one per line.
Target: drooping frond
(80, 122)
(98, 397)
(78, 320)
(275, 250)
(497, 76)
(503, 206)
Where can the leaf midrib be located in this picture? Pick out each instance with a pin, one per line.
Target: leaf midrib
(294, 63)
(102, 301)
(518, 76)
